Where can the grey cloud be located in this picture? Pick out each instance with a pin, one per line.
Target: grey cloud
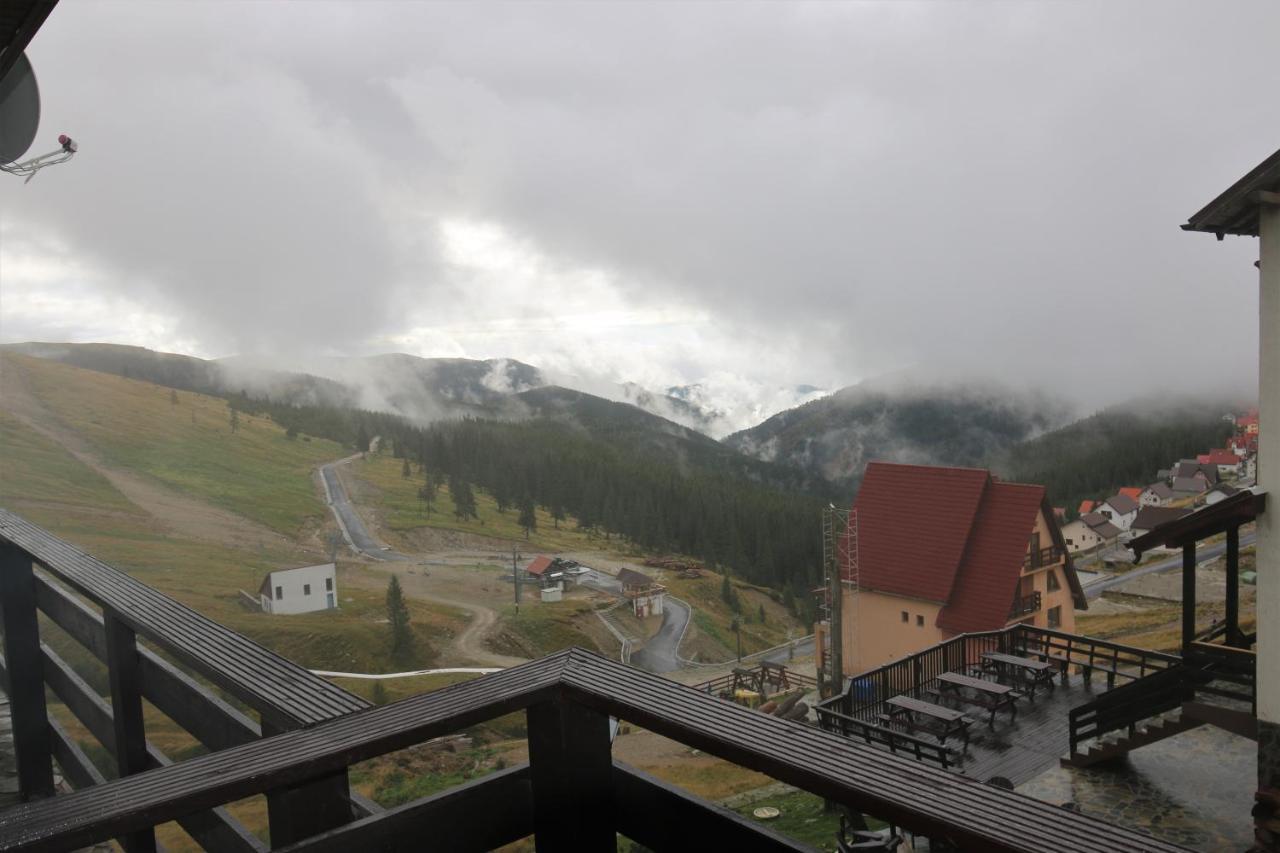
(969, 187)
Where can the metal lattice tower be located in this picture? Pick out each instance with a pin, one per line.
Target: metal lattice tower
(839, 562)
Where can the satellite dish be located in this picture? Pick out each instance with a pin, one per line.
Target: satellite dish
(19, 110)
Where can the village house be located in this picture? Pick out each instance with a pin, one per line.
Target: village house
(644, 593)
(1120, 510)
(1218, 493)
(1085, 507)
(1133, 493)
(1197, 470)
(1151, 517)
(944, 551)
(1157, 494)
(1091, 530)
(1188, 487)
(1227, 463)
(301, 590)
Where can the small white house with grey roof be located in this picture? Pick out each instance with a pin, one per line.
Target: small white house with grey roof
(302, 590)
(1120, 510)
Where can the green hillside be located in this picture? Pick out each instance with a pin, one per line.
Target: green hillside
(185, 440)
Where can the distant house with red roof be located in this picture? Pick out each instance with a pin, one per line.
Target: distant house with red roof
(1133, 493)
(1248, 422)
(1085, 507)
(945, 551)
(1226, 461)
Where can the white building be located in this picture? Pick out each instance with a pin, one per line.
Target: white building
(1157, 494)
(301, 590)
(1090, 530)
(1120, 510)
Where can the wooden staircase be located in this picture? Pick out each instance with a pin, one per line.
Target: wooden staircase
(1214, 685)
(1109, 749)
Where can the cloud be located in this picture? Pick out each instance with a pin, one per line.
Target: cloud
(750, 196)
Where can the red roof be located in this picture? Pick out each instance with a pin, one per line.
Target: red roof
(950, 535)
(538, 566)
(988, 576)
(1085, 506)
(1131, 492)
(913, 524)
(1219, 456)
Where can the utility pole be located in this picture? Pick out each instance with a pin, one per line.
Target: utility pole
(515, 575)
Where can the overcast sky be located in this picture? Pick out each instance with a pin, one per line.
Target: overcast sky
(756, 195)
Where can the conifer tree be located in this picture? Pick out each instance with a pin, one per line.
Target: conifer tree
(464, 500)
(528, 517)
(235, 419)
(405, 471)
(398, 618)
(557, 512)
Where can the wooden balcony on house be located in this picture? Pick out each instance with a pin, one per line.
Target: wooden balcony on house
(292, 737)
(1025, 604)
(1043, 557)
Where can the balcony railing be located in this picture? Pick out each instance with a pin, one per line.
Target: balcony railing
(572, 795)
(1043, 557)
(1025, 604)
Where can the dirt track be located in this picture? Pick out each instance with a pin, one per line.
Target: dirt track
(174, 511)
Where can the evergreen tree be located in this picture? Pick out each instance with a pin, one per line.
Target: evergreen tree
(501, 495)
(762, 617)
(398, 618)
(464, 500)
(291, 433)
(362, 439)
(235, 419)
(528, 517)
(557, 512)
(405, 470)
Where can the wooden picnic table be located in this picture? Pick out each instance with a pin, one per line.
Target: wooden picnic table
(987, 694)
(941, 721)
(1037, 672)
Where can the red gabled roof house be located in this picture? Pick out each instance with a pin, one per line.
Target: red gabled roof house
(944, 551)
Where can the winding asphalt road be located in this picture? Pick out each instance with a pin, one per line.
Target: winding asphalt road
(1203, 555)
(353, 527)
(661, 652)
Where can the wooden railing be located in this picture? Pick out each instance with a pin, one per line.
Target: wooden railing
(916, 674)
(1043, 557)
(1127, 705)
(765, 678)
(1024, 605)
(111, 615)
(572, 794)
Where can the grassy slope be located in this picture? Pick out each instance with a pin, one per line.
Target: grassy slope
(256, 471)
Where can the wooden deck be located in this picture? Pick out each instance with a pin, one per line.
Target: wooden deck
(1030, 745)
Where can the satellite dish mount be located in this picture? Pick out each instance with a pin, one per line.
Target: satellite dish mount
(19, 119)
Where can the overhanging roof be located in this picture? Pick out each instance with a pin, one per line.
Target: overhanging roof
(1240, 508)
(1236, 210)
(19, 22)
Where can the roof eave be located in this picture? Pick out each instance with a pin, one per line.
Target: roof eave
(1235, 211)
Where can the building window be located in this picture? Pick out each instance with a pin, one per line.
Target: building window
(905, 616)
(279, 593)
(1051, 580)
(919, 621)
(328, 584)
(306, 589)
(1055, 617)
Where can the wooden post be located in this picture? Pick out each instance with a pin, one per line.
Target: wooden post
(126, 714)
(30, 718)
(1234, 637)
(312, 807)
(571, 771)
(1188, 596)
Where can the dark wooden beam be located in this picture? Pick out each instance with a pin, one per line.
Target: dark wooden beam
(309, 808)
(572, 773)
(1234, 637)
(1188, 595)
(483, 814)
(33, 747)
(188, 703)
(126, 712)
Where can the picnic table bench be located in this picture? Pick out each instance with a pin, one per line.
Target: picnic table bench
(935, 719)
(985, 694)
(1037, 673)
